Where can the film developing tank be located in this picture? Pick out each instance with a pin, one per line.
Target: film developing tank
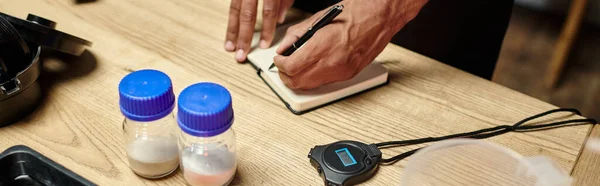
(21, 42)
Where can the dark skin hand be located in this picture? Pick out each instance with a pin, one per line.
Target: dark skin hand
(242, 17)
(340, 50)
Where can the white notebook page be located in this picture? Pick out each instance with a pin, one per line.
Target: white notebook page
(299, 100)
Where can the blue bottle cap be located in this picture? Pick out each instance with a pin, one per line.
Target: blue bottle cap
(146, 95)
(204, 110)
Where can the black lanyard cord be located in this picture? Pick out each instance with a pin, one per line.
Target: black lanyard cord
(488, 132)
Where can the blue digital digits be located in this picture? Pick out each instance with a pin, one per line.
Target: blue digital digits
(345, 156)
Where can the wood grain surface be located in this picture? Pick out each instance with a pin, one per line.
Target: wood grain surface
(587, 169)
(79, 124)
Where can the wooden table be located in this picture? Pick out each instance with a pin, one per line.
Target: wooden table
(79, 123)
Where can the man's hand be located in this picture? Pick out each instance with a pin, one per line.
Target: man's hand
(343, 48)
(242, 17)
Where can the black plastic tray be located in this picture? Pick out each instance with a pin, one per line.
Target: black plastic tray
(21, 165)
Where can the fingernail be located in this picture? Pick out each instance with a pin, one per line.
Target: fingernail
(239, 55)
(282, 16)
(264, 44)
(229, 46)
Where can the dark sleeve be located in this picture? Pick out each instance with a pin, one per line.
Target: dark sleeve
(466, 34)
(313, 6)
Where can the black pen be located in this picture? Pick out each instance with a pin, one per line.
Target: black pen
(324, 20)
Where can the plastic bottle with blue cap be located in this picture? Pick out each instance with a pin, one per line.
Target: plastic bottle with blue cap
(207, 141)
(147, 102)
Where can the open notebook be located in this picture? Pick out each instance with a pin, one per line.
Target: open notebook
(301, 101)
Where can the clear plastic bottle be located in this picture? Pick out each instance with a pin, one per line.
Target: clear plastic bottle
(147, 102)
(207, 142)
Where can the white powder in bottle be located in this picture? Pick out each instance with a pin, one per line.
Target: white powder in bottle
(153, 157)
(212, 167)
